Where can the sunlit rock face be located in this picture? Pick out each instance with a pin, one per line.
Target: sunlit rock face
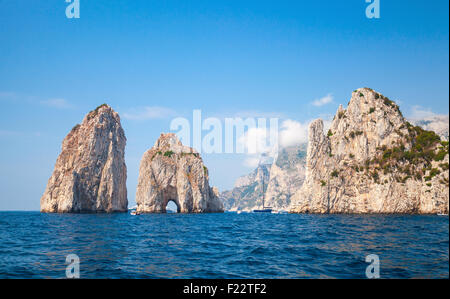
(90, 173)
(170, 171)
(373, 161)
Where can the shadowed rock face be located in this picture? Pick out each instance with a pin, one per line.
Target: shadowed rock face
(170, 171)
(373, 161)
(90, 173)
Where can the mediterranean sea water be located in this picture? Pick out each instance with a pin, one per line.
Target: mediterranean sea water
(229, 245)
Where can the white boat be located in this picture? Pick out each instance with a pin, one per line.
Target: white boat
(441, 214)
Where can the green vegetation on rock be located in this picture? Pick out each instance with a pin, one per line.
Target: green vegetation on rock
(168, 154)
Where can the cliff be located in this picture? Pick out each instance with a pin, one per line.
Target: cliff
(277, 182)
(373, 161)
(90, 173)
(248, 190)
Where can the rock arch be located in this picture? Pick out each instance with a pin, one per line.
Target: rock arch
(176, 204)
(171, 171)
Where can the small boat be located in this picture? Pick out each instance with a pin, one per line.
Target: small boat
(442, 214)
(263, 210)
(133, 210)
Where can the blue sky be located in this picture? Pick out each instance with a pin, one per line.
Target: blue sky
(226, 58)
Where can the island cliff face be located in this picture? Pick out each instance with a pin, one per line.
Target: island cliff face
(170, 171)
(90, 173)
(276, 182)
(248, 190)
(373, 161)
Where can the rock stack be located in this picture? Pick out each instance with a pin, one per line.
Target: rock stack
(90, 173)
(170, 171)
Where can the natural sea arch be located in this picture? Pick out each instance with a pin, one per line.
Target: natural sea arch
(172, 205)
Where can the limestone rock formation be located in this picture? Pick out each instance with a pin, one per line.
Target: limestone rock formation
(170, 171)
(90, 173)
(373, 161)
(277, 182)
(286, 177)
(248, 190)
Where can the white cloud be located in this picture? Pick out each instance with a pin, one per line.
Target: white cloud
(429, 120)
(252, 161)
(257, 141)
(419, 112)
(323, 101)
(293, 133)
(145, 113)
(58, 103)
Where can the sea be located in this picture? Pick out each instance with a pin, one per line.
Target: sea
(227, 245)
